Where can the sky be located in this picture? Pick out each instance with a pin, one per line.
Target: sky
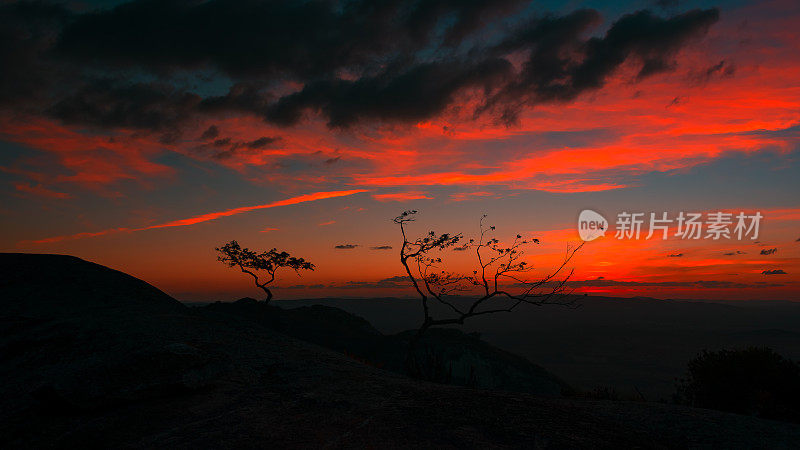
(141, 135)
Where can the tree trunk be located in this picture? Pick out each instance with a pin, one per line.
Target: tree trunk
(269, 294)
(412, 365)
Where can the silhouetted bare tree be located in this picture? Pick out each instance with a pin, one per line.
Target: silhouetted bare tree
(251, 262)
(499, 274)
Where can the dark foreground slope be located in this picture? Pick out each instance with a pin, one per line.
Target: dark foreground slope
(92, 357)
(444, 355)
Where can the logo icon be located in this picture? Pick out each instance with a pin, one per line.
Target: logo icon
(591, 225)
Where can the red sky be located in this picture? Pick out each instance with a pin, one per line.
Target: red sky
(716, 130)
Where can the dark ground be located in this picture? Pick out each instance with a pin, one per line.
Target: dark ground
(92, 357)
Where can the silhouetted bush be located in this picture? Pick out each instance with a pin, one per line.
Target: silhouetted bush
(754, 381)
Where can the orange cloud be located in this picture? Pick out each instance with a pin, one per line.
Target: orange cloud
(39, 190)
(94, 160)
(464, 196)
(402, 197)
(206, 217)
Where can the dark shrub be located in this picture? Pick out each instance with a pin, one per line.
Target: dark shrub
(756, 381)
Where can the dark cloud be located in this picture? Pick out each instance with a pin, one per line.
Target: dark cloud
(302, 39)
(392, 282)
(104, 104)
(345, 246)
(401, 281)
(303, 286)
(249, 96)
(769, 251)
(222, 142)
(27, 31)
(549, 75)
(737, 252)
(679, 100)
(703, 284)
(170, 136)
(262, 142)
(223, 148)
(381, 247)
(357, 61)
(398, 93)
(211, 133)
(722, 69)
(396, 279)
(667, 4)
(774, 272)
(402, 93)
(675, 255)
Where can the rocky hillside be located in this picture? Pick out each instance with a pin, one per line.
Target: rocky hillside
(445, 355)
(92, 357)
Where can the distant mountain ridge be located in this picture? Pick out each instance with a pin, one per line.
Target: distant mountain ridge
(636, 345)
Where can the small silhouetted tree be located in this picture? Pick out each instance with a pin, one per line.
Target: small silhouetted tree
(252, 263)
(500, 275)
(754, 380)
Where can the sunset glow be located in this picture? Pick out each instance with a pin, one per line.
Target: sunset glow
(147, 158)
